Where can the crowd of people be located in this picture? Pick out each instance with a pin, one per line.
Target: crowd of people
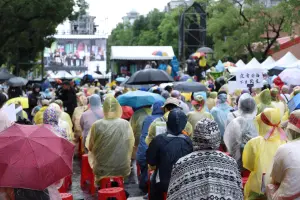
(199, 145)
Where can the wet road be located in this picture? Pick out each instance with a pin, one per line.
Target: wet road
(131, 187)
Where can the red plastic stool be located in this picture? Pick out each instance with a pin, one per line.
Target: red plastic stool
(115, 192)
(244, 181)
(138, 170)
(87, 174)
(66, 196)
(107, 181)
(165, 196)
(149, 182)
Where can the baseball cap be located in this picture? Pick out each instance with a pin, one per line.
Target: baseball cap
(172, 100)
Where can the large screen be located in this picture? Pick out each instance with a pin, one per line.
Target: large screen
(75, 52)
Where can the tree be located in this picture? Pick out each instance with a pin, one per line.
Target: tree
(27, 26)
(249, 28)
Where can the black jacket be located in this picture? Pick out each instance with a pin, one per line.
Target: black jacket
(164, 151)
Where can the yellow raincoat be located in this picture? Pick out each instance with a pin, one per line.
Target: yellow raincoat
(159, 126)
(211, 100)
(259, 152)
(110, 143)
(39, 116)
(137, 121)
(198, 113)
(265, 101)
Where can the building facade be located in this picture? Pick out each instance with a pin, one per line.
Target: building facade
(130, 17)
(84, 25)
(176, 3)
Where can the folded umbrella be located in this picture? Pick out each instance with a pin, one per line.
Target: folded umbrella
(17, 82)
(33, 157)
(138, 99)
(189, 87)
(149, 76)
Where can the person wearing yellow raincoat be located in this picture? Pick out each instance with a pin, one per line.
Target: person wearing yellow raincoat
(136, 122)
(211, 100)
(259, 152)
(39, 116)
(199, 112)
(159, 125)
(110, 143)
(265, 101)
(281, 105)
(79, 110)
(64, 116)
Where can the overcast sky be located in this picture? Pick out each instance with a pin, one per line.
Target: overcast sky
(114, 10)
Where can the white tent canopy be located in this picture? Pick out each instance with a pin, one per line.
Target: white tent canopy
(294, 65)
(240, 63)
(287, 60)
(61, 74)
(140, 52)
(253, 64)
(267, 62)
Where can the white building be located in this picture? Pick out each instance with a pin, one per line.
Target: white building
(176, 3)
(131, 17)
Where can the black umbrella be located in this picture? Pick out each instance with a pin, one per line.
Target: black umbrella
(205, 50)
(275, 71)
(189, 87)
(149, 76)
(5, 75)
(17, 82)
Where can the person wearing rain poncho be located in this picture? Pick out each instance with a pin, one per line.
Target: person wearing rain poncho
(279, 104)
(165, 150)
(64, 115)
(220, 112)
(211, 100)
(136, 123)
(265, 101)
(159, 125)
(199, 112)
(157, 112)
(110, 143)
(241, 127)
(62, 123)
(51, 117)
(286, 167)
(203, 174)
(38, 117)
(79, 110)
(89, 117)
(259, 152)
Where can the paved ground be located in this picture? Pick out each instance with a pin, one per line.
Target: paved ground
(131, 187)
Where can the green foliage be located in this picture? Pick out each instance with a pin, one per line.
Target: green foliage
(251, 30)
(27, 25)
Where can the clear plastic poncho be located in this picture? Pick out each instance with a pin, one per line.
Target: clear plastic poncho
(259, 152)
(110, 143)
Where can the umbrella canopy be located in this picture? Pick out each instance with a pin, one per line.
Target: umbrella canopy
(149, 76)
(189, 86)
(5, 75)
(197, 55)
(33, 157)
(120, 79)
(17, 82)
(205, 50)
(291, 76)
(138, 99)
(275, 71)
(159, 53)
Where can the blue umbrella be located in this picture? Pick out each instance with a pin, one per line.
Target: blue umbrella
(138, 99)
(120, 79)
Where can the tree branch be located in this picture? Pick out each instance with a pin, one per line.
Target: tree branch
(250, 49)
(241, 10)
(277, 34)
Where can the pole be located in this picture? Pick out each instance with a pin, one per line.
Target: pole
(42, 60)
